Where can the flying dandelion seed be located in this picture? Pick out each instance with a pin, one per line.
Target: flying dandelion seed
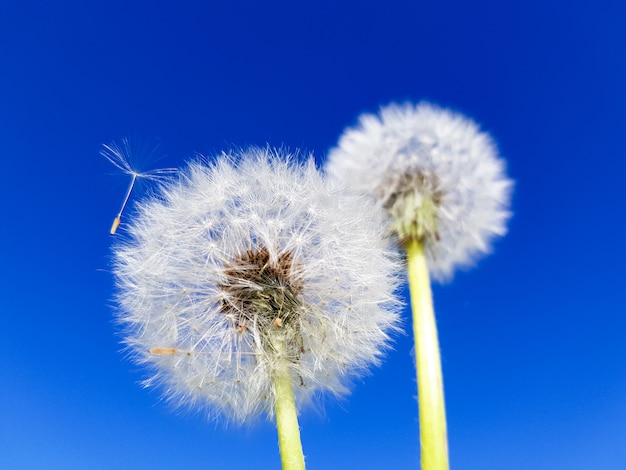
(118, 156)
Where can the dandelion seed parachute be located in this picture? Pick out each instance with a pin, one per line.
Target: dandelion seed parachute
(242, 246)
(118, 156)
(433, 168)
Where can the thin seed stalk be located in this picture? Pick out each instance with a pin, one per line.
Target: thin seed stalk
(289, 442)
(432, 413)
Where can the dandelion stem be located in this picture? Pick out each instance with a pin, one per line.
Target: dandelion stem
(432, 413)
(289, 442)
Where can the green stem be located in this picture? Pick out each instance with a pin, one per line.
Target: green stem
(432, 412)
(291, 454)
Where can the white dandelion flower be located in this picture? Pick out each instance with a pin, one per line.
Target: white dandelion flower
(447, 194)
(248, 264)
(436, 173)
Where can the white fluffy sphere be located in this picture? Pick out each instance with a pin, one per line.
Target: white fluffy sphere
(230, 240)
(441, 157)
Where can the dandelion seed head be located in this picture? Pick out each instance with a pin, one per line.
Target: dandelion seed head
(437, 175)
(239, 250)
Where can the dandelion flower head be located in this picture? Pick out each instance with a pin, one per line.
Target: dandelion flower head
(437, 175)
(243, 250)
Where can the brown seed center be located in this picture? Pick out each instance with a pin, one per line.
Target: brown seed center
(261, 292)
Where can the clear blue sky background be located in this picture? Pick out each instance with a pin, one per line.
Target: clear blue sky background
(532, 338)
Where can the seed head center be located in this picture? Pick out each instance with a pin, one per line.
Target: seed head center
(262, 294)
(414, 205)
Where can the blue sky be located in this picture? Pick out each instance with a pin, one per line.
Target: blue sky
(532, 338)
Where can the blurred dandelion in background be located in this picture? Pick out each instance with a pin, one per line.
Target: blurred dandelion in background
(442, 183)
(436, 173)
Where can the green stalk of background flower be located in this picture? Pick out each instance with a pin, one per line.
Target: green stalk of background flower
(432, 413)
(291, 454)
